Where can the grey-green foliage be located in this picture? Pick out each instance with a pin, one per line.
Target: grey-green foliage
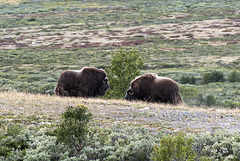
(18, 143)
(120, 143)
(45, 148)
(222, 145)
(125, 66)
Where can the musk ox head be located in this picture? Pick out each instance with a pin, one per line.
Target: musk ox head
(152, 88)
(88, 82)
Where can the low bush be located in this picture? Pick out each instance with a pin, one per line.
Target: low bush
(74, 127)
(173, 148)
(210, 100)
(188, 80)
(234, 76)
(12, 141)
(214, 76)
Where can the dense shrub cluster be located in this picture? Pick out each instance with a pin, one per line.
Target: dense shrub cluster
(222, 145)
(118, 143)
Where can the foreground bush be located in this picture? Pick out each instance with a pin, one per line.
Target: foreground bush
(18, 143)
(118, 143)
(74, 127)
(222, 145)
(173, 148)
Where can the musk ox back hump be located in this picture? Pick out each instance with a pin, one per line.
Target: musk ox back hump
(152, 88)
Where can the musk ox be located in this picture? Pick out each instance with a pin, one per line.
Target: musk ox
(152, 88)
(88, 82)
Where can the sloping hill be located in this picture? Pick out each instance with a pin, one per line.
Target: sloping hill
(44, 110)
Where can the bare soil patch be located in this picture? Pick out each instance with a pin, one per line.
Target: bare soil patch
(72, 36)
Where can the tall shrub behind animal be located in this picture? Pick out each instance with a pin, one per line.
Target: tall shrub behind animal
(152, 88)
(88, 82)
(125, 65)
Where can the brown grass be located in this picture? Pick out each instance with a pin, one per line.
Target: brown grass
(10, 1)
(45, 110)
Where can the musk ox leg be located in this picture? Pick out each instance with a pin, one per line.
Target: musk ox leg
(59, 91)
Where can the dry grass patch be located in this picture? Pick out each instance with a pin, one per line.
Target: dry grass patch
(11, 1)
(45, 110)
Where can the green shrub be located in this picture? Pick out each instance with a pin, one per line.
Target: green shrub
(125, 65)
(12, 141)
(73, 129)
(234, 76)
(188, 80)
(214, 76)
(173, 148)
(210, 100)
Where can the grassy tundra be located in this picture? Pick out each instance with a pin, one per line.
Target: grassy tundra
(194, 42)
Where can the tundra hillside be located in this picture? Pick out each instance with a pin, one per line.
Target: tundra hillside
(196, 43)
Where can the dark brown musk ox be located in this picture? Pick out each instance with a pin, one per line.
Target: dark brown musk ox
(152, 88)
(88, 82)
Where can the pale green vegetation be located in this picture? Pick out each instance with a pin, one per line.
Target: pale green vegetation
(177, 38)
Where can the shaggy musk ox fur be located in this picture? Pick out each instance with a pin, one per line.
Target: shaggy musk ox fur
(152, 88)
(88, 82)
